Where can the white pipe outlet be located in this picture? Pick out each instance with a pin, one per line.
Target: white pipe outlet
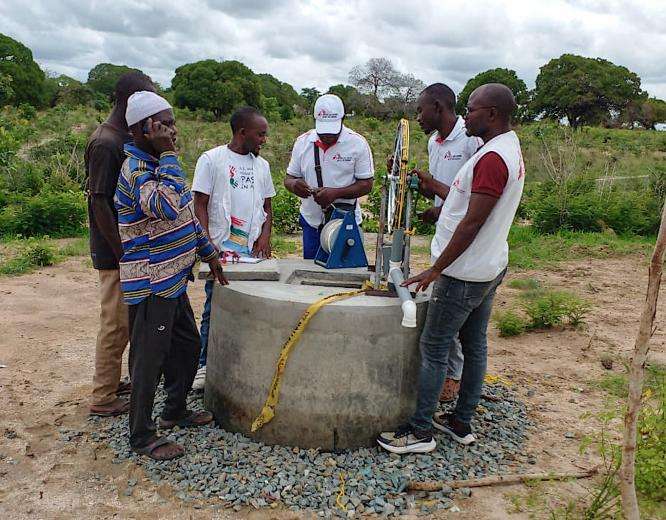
(408, 306)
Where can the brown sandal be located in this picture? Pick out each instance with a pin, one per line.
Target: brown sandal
(191, 419)
(116, 407)
(149, 449)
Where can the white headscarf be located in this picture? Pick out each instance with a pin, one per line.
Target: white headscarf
(143, 104)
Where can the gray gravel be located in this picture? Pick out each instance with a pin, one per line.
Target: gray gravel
(239, 472)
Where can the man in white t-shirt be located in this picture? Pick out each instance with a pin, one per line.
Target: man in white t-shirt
(449, 147)
(470, 254)
(346, 170)
(232, 189)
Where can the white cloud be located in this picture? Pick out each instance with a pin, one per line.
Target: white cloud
(316, 43)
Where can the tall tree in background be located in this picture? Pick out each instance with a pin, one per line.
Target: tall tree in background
(506, 77)
(408, 89)
(645, 112)
(377, 77)
(587, 91)
(102, 77)
(349, 95)
(310, 95)
(21, 79)
(283, 93)
(219, 87)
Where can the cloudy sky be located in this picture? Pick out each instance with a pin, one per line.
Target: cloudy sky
(316, 43)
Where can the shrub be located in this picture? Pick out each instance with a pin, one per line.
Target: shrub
(285, 211)
(55, 214)
(548, 309)
(510, 323)
(40, 255)
(651, 445)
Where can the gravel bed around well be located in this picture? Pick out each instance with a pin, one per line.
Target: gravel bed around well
(226, 468)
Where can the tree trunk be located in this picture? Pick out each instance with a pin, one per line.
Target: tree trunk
(637, 374)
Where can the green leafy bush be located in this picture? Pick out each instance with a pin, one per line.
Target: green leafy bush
(548, 309)
(510, 323)
(40, 255)
(285, 211)
(54, 214)
(651, 444)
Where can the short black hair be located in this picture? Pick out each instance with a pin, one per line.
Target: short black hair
(442, 93)
(129, 83)
(242, 116)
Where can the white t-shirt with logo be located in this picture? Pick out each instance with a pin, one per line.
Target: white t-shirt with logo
(241, 183)
(348, 160)
(237, 186)
(446, 155)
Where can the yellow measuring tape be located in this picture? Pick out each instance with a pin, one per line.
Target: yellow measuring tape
(268, 411)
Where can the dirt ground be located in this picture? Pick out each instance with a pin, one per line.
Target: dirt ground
(49, 323)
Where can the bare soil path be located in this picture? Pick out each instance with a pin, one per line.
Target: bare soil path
(47, 334)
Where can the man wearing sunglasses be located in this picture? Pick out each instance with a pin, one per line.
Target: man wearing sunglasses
(469, 254)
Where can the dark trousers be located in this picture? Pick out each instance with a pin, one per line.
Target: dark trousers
(164, 340)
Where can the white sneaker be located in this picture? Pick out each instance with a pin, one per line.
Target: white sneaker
(199, 379)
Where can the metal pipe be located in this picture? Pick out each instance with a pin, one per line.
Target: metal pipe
(377, 278)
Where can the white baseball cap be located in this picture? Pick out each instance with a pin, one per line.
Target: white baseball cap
(143, 104)
(328, 114)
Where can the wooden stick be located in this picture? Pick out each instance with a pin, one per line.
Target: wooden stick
(499, 480)
(637, 374)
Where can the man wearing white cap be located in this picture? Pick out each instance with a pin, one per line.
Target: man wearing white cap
(161, 237)
(330, 165)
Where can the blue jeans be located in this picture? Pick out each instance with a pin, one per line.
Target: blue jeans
(310, 239)
(456, 308)
(205, 316)
(456, 360)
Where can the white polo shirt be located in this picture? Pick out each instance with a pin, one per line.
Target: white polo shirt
(342, 164)
(447, 155)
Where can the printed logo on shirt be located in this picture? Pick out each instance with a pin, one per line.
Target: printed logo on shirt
(243, 180)
(342, 158)
(456, 185)
(324, 114)
(452, 156)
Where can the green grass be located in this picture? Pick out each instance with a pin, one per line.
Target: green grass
(616, 384)
(21, 256)
(530, 250)
(282, 246)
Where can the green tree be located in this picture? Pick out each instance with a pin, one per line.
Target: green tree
(506, 77)
(102, 78)
(587, 91)
(348, 94)
(6, 90)
(646, 112)
(53, 86)
(310, 95)
(27, 79)
(216, 86)
(284, 93)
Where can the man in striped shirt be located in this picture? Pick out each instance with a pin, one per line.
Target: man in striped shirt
(160, 237)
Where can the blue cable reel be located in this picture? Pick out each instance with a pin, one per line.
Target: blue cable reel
(341, 244)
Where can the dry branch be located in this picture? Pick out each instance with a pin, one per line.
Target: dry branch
(499, 480)
(637, 375)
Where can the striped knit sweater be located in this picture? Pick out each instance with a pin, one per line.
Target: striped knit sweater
(158, 229)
